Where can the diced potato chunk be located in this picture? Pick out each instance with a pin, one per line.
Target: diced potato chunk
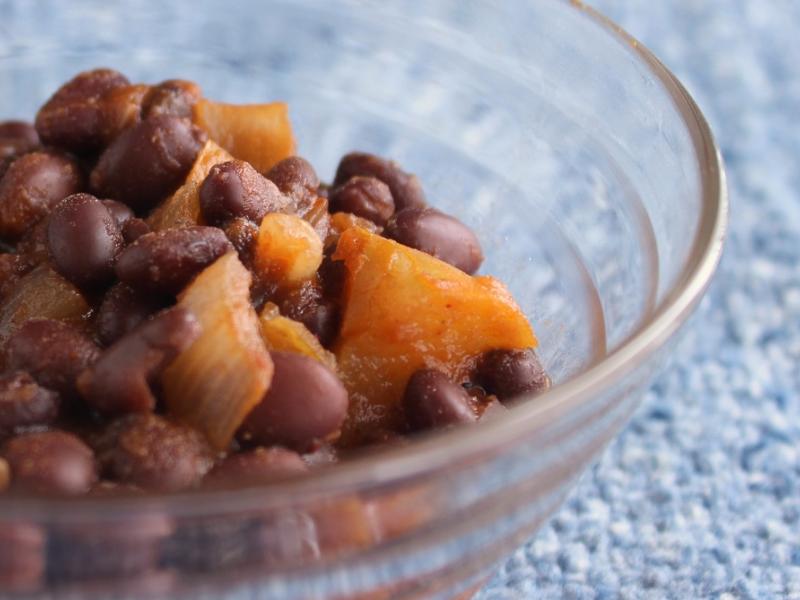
(287, 335)
(288, 250)
(342, 221)
(217, 381)
(182, 209)
(44, 294)
(260, 134)
(404, 310)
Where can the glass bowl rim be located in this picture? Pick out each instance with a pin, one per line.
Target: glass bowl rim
(434, 453)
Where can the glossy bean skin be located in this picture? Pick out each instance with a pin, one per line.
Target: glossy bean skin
(165, 261)
(134, 228)
(305, 403)
(119, 381)
(148, 161)
(32, 186)
(235, 189)
(50, 462)
(54, 353)
(174, 97)
(24, 403)
(511, 373)
(16, 138)
(121, 310)
(152, 453)
(432, 401)
(438, 234)
(84, 240)
(121, 212)
(73, 118)
(254, 467)
(19, 130)
(296, 178)
(366, 197)
(242, 233)
(318, 313)
(406, 188)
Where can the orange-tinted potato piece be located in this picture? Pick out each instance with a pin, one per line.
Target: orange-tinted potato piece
(182, 209)
(342, 221)
(42, 293)
(217, 381)
(260, 134)
(287, 335)
(288, 250)
(404, 310)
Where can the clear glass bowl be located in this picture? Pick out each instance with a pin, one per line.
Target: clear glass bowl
(585, 168)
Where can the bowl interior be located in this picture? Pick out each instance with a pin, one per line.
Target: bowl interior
(562, 171)
(574, 158)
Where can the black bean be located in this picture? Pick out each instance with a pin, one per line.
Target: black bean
(319, 314)
(54, 353)
(16, 138)
(19, 130)
(332, 275)
(32, 246)
(432, 401)
(242, 233)
(134, 229)
(166, 261)
(296, 178)
(437, 234)
(305, 403)
(254, 467)
(9, 150)
(510, 373)
(147, 162)
(32, 186)
(316, 214)
(235, 189)
(7, 156)
(406, 188)
(366, 197)
(50, 462)
(119, 381)
(121, 212)
(73, 117)
(152, 453)
(12, 267)
(83, 240)
(24, 403)
(121, 310)
(174, 97)
(121, 108)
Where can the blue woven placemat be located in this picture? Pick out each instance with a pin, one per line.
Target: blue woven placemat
(700, 496)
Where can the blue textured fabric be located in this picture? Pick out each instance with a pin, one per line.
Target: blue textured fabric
(700, 496)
